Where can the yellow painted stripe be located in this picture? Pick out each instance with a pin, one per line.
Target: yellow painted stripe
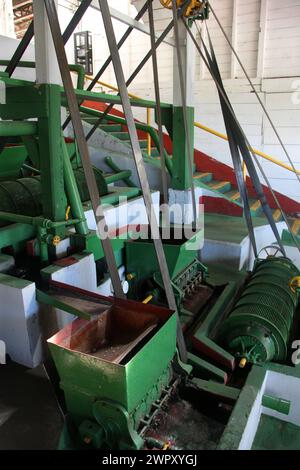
(296, 226)
(201, 175)
(255, 206)
(219, 185)
(235, 196)
(277, 215)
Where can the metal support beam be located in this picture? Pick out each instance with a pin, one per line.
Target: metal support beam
(262, 38)
(75, 19)
(140, 66)
(234, 37)
(135, 24)
(158, 107)
(82, 147)
(47, 69)
(108, 60)
(183, 79)
(140, 167)
(18, 54)
(51, 162)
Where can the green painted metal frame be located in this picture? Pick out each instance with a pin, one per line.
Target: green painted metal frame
(173, 119)
(83, 95)
(117, 170)
(220, 390)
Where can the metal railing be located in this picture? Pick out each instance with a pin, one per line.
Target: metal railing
(257, 152)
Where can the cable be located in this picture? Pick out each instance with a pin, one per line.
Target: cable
(264, 174)
(254, 90)
(158, 107)
(248, 162)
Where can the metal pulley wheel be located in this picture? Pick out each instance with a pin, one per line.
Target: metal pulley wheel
(195, 7)
(258, 328)
(271, 251)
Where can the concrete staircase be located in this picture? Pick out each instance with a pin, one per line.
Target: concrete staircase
(206, 180)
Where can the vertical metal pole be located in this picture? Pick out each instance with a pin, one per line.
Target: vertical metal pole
(149, 140)
(158, 108)
(140, 167)
(82, 146)
(183, 84)
(47, 69)
(108, 61)
(139, 67)
(72, 191)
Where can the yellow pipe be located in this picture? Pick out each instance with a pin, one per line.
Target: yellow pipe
(244, 171)
(148, 135)
(243, 363)
(257, 152)
(147, 299)
(111, 87)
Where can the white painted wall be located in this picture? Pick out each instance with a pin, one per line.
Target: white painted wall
(266, 34)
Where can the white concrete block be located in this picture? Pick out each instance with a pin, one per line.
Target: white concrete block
(81, 274)
(19, 323)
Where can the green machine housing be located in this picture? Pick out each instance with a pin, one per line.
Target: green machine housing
(113, 368)
(187, 273)
(259, 326)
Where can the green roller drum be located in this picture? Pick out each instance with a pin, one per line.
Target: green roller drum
(258, 328)
(24, 196)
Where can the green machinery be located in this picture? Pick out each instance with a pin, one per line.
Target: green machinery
(258, 328)
(42, 183)
(187, 274)
(101, 360)
(117, 362)
(24, 195)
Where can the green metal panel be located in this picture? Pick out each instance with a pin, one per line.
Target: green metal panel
(17, 128)
(51, 164)
(181, 175)
(140, 256)
(11, 161)
(85, 378)
(16, 236)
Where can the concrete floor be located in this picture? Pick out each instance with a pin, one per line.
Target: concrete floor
(29, 415)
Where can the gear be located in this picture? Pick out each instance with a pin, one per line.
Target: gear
(193, 9)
